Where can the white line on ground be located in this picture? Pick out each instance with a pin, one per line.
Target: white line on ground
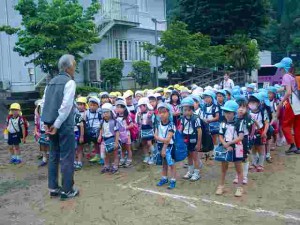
(228, 205)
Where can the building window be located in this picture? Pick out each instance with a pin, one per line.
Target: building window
(130, 50)
(123, 50)
(143, 5)
(139, 52)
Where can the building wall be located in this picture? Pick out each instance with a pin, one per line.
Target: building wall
(12, 66)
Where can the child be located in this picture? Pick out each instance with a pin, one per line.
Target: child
(104, 98)
(197, 101)
(175, 103)
(129, 101)
(93, 122)
(248, 128)
(210, 114)
(231, 135)
(262, 127)
(79, 139)
(145, 120)
(124, 119)
(221, 95)
(39, 132)
(112, 99)
(164, 137)
(192, 133)
(274, 102)
(80, 121)
(16, 132)
(109, 136)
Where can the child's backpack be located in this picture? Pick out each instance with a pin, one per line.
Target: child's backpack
(90, 133)
(207, 142)
(213, 126)
(134, 131)
(26, 125)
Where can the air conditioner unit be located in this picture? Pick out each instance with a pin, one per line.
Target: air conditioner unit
(92, 70)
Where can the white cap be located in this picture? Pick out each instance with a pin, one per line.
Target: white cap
(107, 107)
(145, 101)
(216, 87)
(156, 95)
(127, 94)
(95, 100)
(139, 93)
(208, 88)
(121, 102)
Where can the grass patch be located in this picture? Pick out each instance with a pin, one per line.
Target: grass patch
(6, 186)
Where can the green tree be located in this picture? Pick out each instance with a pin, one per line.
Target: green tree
(141, 71)
(242, 53)
(53, 28)
(111, 71)
(179, 48)
(222, 19)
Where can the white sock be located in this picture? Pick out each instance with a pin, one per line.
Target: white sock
(245, 169)
(164, 177)
(44, 159)
(254, 159)
(196, 171)
(261, 159)
(173, 179)
(151, 150)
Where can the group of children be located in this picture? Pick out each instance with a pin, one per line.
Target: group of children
(239, 123)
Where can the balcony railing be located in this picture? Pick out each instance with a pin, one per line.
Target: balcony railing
(122, 10)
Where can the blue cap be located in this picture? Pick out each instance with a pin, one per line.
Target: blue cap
(209, 93)
(236, 92)
(228, 91)
(240, 98)
(252, 86)
(222, 92)
(256, 96)
(272, 89)
(195, 98)
(265, 98)
(188, 101)
(230, 106)
(164, 105)
(285, 63)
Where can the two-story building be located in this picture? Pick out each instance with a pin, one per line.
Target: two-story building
(123, 25)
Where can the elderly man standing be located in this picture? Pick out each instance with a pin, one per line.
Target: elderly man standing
(58, 116)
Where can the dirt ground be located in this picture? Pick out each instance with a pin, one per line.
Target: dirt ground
(131, 197)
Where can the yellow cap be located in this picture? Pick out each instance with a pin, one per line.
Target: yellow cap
(81, 100)
(176, 86)
(15, 106)
(130, 92)
(112, 94)
(118, 94)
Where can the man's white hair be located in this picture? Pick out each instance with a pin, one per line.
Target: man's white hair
(65, 62)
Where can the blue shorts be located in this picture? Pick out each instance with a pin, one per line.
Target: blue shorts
(169, 159)
(14, 139)
(44, 139)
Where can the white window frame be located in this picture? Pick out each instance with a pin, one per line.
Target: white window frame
(130, 50)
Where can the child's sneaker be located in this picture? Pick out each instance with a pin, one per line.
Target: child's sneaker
(42, 164)
(151, 161)
(245, 180)
(96, 158)
(188, 175)
(18, 161)
(239, 192)
(162, 182)
(12, 160)
(236, 180)
(172, 184)
(128, 163)
(196, 176)
(114, 170)
(105, 170)
(220, 190)
(146, 159)
(78, 166)
(122, 162)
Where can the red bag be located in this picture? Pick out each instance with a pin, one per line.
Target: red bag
(134, 130)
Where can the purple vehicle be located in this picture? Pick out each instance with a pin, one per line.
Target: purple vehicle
(269, 74)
